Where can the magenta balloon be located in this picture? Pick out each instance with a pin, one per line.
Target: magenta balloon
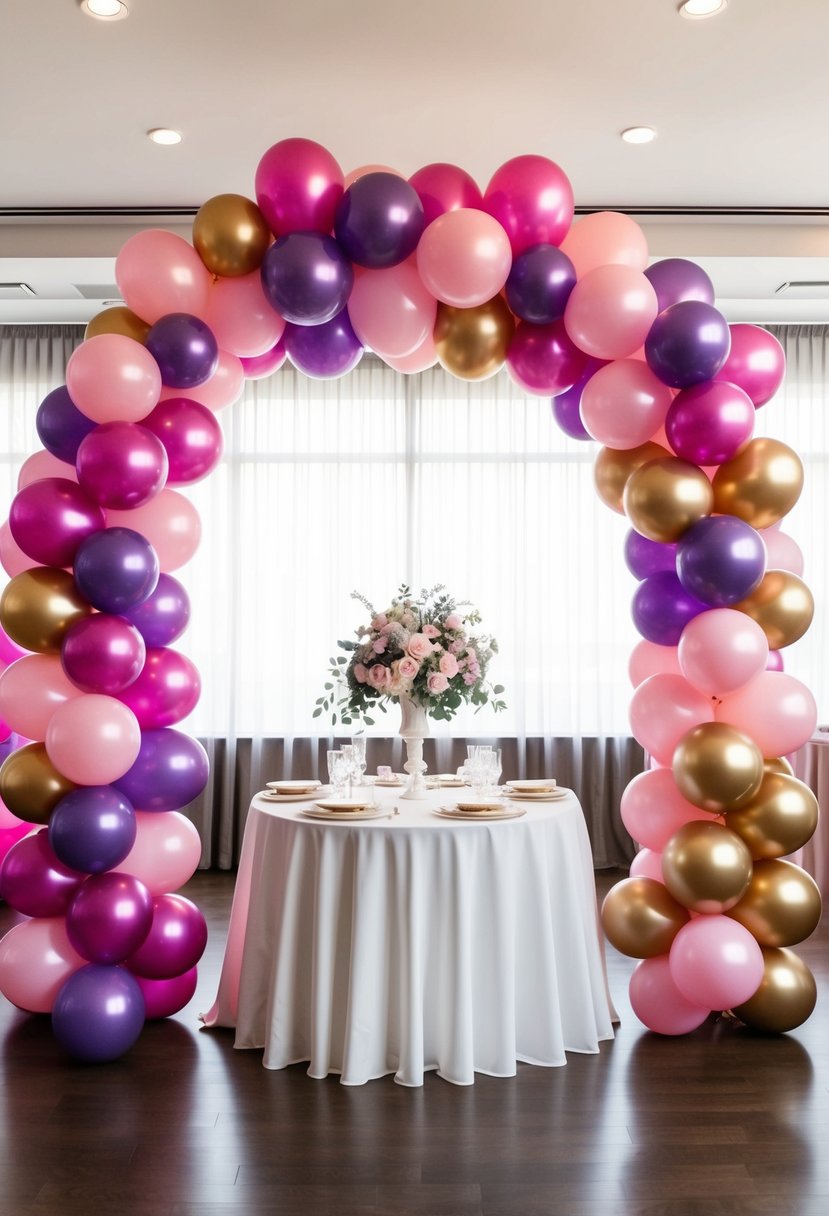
(543, 360)
(175, 942)
(708, 423)
(298, 186)
(532, 199)
(162, 998)
(50, 518)
(33, 881)
(166, 691)
(191, 436)
(756, 362)
(121, 465)
(258, 367)
(109, 917)
(443, 187)
(102, 653)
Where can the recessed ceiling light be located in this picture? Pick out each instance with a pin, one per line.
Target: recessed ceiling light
(697, 9)
(105, 10)
(638, 135)
(164, 135)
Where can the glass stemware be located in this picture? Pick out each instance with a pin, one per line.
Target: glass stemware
(337, 771)
(358, 744)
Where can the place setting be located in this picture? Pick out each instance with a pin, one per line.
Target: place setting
(539, 789)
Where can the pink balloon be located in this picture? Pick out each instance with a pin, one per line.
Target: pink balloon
(93, 739)
(610, 311)
(241, 317)
(658, 1003)
(30, 692)
(775, 709)
(649, 659)
(532, 200)
(166, 691)
(784, 553)
(170, 523)
(543, 360)
(775, 661)
(756, 362)
(12, 557)
(390, 310)
(623, 404)
(663, 709)
(49, 519)
(158, 272)
(112, 378)
(223, 388)
(36, 958)
(298, 187)
(605, 237)
(464, 257)
(43, 464)
(355, 174)
(9, 650)
(10, 822)
(258, 367)
(121, 465)
(420, 359)
(443, 187)
(652, 809)
(721, 650)
(708, 423)
(102, 653)
(162, 998)
(166, 852)
(715, 961)
(647, 864)
(33, 881)
(191, 437)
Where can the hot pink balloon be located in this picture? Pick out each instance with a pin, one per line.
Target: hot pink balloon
(109, 917)
(756, 362)
(121, 465)
(721, 650)
(170, 523)
(49, 519)
(166, 852)
(33, 881)
(443, 187)
(223, 388)
(242, 317)
(162, 998)
(191, 436)
(708, 423)
(258, 367)
(464, 257)
(30, 692)
(652, 809)
(102, 653)
(543, 360)
(112, 378)
(623, 404)
(391, 310)
(420, 359)
(298, 186)
(9, 650)
(605, 237)
(647, 864)
(775, 709)
(157, 273)
(784, 553)
(12, 557)
(175, 942)
(166, 691)
(43, 464)
(663, 709)
(714, 961)
(649, 659)
(93, 739)
(658, 1003)
(610, 311)
(10, 836)
(36, 958)
(532, 200)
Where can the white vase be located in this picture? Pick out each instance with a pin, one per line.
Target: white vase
(414, 728)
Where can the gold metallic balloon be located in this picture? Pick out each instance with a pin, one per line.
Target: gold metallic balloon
(786, 997)
(118, 320)
(777, 764)
(472, 343)
(231, 235)
(30, 785)
(780, 818)
(664, 497)
(38, 606)
(614, 466)
(781, 906)
(760, 484)
(641, 918)
(782, 605)
(707, 867)
(717, 767)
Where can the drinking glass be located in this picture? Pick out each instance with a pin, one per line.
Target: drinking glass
(358, 744)
(337, 771)
(348, 752)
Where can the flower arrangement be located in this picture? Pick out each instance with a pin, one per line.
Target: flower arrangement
(420, 647)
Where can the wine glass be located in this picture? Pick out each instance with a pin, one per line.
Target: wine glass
(358, 744)
(347, 751)
(337, 771)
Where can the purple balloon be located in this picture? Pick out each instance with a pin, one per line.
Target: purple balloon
(49, 519)
(34, 881)
(707, 423)
(164, 615)
(662, 608)
(324, 351)
(92, 829)
(121, 465)
(675, 279)
(191, 437)
(98, 1013)
(540, 283)
(379, 220)
(567, 405)
(109, 917)
(60, 424)
(102, 653)
(184, 348)
(442, 187)
(720, 560)
(170, 771)
(162, 998)
(175, 942)
(166, 691)
(645, 557)
(543, 359)
(116, 569)
(687, 343)
(307, 278)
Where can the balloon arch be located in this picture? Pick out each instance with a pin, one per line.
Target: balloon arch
(425, 270)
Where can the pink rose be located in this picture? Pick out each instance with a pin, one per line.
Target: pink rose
(453, 621)
(408, 667)
(419, 646)
(430, 631)
(437, 683)
(378, 676)
(360, 673)
(379, 645)
(449, 665)
(456, 647)
(378, 621)
(469, 679)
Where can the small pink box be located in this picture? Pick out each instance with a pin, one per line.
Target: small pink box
(384, 772)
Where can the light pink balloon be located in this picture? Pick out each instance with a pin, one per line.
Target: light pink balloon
(353, 176)
(784, 553)
(93, 739)
(224, 387)
(170, 523)
(715, 961)
(605, 237)
(623, 404)
(652, 809)
(30, 692)
(241, 317)
(420, 359)
(777, 711)
(10, 822)
(36, 958)
(649, 659)
(390, 310)
(663, 709)
(112, 378)
(158, 272)
(658, 1003)
(43, 464)
(12, 557)
(610, 311)
(647, 864)
(721, 650)
(464, 257)
(166, 852)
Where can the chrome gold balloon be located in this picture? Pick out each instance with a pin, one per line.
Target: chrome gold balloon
(786, 997)
(707, 867)
(778, 764)
(717, 767)
(641, 918)
(781, 906)
(664, 497)
(782, 605)
(614, 466)
(780, 818)
(760, 484)
(472, 343)
(231, 235)
(30, 785)
(118, 320)
(38, 606)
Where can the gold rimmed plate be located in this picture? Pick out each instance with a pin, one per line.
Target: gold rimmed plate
(345, 806)
(486, 816)
(537, 795)
(274, 797)
(341, 816)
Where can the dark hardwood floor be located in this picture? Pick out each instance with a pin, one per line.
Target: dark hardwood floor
(717, 1123)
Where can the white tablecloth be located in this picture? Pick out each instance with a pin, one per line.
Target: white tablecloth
(404, 944)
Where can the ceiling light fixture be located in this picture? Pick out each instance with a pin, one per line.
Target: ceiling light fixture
(697, 10)
(105, 10)
(164, 135)
(638, 135)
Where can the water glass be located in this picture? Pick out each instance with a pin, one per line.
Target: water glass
(337, 771)
(358, 744)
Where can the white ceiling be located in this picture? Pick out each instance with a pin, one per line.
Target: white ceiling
(738, 177)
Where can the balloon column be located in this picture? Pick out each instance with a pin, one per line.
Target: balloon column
(320, 266)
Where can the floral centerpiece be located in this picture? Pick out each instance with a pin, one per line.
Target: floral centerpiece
(421, 648)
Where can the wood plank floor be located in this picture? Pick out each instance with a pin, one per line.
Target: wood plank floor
(717, 1123)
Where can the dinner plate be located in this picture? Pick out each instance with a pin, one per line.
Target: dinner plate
(501, 812)
(272, 796)
(369, 812)
(308, 786)
(535, 785)
(537, 795)
(479, 805)
(390, 782)
(346, 806)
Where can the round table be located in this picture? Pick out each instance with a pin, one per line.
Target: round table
(413, 942)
